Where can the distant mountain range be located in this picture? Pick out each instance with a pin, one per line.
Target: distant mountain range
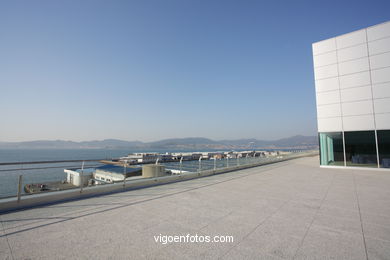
(298, 141)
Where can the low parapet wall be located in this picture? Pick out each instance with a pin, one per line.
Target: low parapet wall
(44, 199)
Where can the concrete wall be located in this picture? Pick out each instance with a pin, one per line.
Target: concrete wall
(352, 80)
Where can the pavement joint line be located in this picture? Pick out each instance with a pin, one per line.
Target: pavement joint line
(147, 200)
(248, 168)
(65, 216)
(218, 219)
(108, 205)
(315, 215)
(360, 215)
(254, 229)
(6, 239)
(94, 208)
(60, 216)
(33, 222)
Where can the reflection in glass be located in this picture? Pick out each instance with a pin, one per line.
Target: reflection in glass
(331, 149)
(384, 148)
(360, 148)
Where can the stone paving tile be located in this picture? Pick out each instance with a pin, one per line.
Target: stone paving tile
(292, 226)
(249, 253)
(297, 211)
(325, 243)
(376, 231)
(353, 215)
(378, 219)
(270, 242)
(5, 251)
(378, 249)
(338, 223)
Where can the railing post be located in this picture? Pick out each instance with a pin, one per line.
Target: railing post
(181, 164)
(215, 164)
(124, 174)
(200, 164)
(20, 181)
(227, 162)
(82, 178)
(238, 160)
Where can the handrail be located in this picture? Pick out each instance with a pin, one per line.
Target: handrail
(200, 168)
(45, 162)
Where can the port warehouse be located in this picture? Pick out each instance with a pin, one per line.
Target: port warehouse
(352, 82)
(156, 175)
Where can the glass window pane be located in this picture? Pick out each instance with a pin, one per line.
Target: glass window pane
(331, 149)
(360, 148)
(384, 147)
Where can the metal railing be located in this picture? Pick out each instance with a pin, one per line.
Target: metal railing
(16, 175)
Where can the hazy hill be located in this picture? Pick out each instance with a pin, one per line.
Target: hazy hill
(297, 141)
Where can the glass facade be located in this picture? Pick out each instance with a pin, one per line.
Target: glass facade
(358, 147)
(331, 146)
(384, 148)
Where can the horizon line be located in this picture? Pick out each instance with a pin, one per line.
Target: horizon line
(99, 140)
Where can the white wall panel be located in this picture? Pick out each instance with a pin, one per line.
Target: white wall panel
(329, 124)
(378, 31)
(356, 94)
(380, 75)
(382, 121)
(325, 59)
(353, 66)
(328, 111)
(351, 53)
(380, 61)
(382, 105)
(326, 72)
(343, 78)
(351, 39)
(381, 90)
(357, 108)
(325, 98)
(358, 123)
(355, 80)
(379, 46)
(327, 84)
(324, 46)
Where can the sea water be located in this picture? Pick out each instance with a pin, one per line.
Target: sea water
(9, 173)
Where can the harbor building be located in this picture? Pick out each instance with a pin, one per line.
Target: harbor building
(101, 175)
(77, 177)
(352, 83)
(112, 173)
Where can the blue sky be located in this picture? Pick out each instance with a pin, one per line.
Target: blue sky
(148, 70)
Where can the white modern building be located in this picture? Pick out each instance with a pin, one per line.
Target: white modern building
(78, 176)
(352, 81)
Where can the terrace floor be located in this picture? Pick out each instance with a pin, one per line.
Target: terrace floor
(287, 210)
